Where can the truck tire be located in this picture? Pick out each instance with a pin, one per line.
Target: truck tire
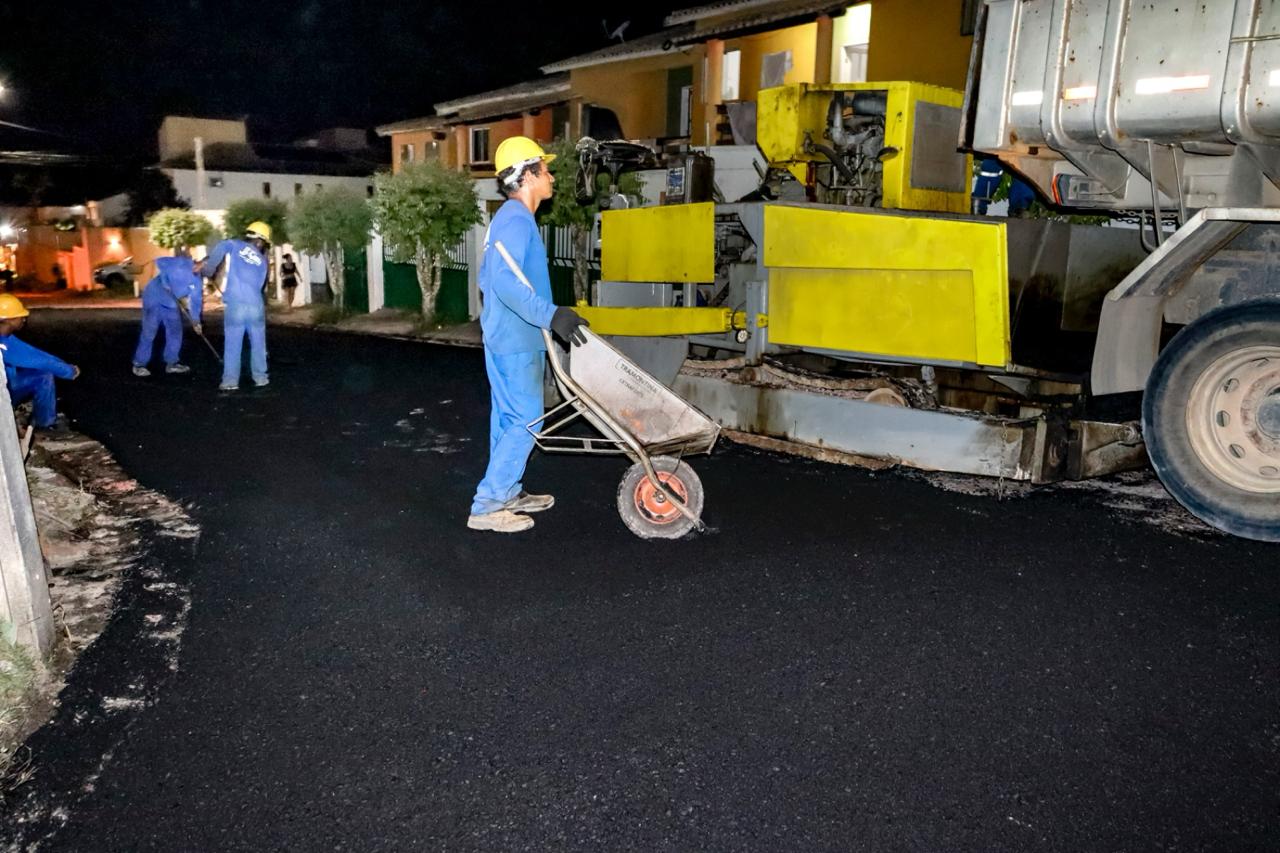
(1211, 419)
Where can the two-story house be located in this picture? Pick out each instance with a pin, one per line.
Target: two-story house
(688, 80)
(682, 83)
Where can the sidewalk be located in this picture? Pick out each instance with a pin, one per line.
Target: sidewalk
(388, 323)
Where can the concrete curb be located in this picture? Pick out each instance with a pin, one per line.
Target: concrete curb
(394, 328)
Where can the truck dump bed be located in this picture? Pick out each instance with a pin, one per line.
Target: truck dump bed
(1091, 99)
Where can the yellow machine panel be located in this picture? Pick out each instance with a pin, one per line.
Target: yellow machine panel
(922, 170)
(676, 243)
(894, 286)
(657, 321)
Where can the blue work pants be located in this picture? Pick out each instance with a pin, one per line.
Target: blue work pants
(36, 385)
(239, 318)
(152, 320)
(515, 383)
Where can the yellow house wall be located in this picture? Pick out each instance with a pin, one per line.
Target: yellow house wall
(918, 40)
(636, 90)
(910, 40)
(801, 41)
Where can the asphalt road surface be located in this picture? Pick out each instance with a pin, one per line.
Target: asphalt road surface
(849, 660)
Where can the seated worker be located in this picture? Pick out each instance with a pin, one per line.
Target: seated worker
(30, 372)
(175, 286)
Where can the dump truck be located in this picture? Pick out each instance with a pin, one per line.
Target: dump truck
(853, 305)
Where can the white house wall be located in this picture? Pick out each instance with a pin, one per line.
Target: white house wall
(242, 185)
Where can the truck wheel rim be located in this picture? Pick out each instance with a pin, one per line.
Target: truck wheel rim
(653, 504)
(1223, 419)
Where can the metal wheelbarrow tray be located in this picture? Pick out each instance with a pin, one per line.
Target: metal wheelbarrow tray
(660, 496)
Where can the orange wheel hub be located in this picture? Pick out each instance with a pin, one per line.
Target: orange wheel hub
(654, 505)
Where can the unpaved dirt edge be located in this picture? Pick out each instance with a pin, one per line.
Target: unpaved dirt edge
(121, 605)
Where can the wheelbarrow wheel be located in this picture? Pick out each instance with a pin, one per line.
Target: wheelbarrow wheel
(646, 510)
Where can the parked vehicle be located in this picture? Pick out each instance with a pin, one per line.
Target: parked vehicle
(116, 275)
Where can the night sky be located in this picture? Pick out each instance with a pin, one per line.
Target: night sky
(105, 73)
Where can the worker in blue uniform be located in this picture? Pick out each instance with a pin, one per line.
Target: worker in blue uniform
(514, 314)
(990, 172)
(175, 286)
(245, 308)
(30, 371)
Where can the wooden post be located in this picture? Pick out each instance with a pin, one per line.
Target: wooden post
(825, 46)
(463, 146)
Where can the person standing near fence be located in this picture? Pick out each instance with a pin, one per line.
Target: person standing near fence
(246, 310)
(288, 279)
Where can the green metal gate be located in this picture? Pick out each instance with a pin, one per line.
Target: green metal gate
(357, 281)
(400, 283)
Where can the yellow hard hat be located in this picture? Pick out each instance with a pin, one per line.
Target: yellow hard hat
(259, 229)
(518, 150)
(11, 307)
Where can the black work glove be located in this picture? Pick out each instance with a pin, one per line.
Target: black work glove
(568, 326)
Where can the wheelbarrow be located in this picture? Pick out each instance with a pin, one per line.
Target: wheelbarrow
(660, 496)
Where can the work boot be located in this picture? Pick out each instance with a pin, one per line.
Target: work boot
(500, 521)
(59, 427)
(139, 370)
(525, 502)
(176, 368)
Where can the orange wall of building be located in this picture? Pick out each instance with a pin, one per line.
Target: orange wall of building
(424, 145)
(78, 252)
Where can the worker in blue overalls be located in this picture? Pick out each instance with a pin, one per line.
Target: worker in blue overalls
(30, 371)
(175, 287)
(245, 307)
(514, 313)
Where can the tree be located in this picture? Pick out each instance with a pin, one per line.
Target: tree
(422, 213)
(152, 190)
(269, 210)
(327, 222)
(34, 185)
(174, 228)
(580, 219)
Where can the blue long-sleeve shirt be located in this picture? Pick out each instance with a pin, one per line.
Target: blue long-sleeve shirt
(246, 271)
(18, 353)
(174, 281)
(513, 314)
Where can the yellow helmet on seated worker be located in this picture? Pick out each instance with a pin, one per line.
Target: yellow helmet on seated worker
(517, 151)
(11, 307)
(259, 229)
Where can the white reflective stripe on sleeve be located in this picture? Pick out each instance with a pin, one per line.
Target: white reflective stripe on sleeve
(511, 262)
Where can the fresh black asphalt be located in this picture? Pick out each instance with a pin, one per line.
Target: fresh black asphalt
(849, 660)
